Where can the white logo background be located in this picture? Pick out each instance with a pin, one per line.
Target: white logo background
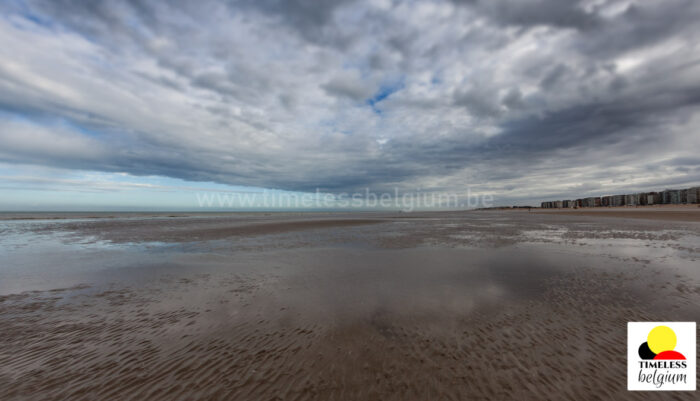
(637, 333)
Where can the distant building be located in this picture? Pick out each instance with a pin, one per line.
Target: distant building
(590, 202)
(646, 198)
(632, 199)
(675, 197)
(642, 199)
(693, 195)
(650, 198)
(618, 200)
(668, 197)
(671, 197)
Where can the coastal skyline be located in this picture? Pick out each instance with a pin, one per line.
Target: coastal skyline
(143, 105)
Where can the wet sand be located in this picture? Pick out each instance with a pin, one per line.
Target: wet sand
(689, 213)
(482, 305)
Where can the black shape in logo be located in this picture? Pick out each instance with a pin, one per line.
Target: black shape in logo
(645, 352)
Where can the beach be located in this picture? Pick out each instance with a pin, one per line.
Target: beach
(391, 306)
(659, 212)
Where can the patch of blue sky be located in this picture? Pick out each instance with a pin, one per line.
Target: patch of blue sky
(385, 90)
(18, 8)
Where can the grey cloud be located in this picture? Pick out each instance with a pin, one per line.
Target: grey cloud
(307, 13)
(479, 102)
(566, 14)
(554, 75)
(493, 95)
(602, 123)
(350, 87)
(684, 161)
(643, 24)
(514, 99)
(307, 17)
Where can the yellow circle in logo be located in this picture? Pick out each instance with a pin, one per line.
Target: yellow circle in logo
(660, 339)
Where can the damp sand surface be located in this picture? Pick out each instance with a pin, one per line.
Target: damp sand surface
(481, 305)
(686, 213)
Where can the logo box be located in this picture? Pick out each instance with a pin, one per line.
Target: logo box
(661, 356)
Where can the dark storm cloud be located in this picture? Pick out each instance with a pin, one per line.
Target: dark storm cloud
(565, 14)
(307, 16)
(598, 123)
(641, 25)
(289, 94)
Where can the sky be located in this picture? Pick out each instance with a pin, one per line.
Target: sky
(149, 104)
